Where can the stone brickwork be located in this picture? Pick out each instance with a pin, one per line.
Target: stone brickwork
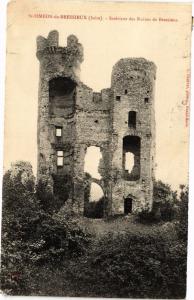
(119, 120)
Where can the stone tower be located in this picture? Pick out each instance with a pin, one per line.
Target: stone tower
(119, 121)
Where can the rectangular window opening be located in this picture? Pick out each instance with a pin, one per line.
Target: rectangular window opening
(58, 132)
(118, 98)
(146, 100)
(59, 158)
(132, 119)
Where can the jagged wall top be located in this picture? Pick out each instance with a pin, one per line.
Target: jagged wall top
(132, 68)
(50, 45)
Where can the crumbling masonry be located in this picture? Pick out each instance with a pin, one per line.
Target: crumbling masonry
(119, 120)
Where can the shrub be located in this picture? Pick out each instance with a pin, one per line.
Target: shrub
(56, 239)
(31, 236)
(148, 217)
(166, 199)
(52, 201)
(182, 224)
(45, 197)
(19, 210)
(165, 205)
(133, 266)
(95, 209)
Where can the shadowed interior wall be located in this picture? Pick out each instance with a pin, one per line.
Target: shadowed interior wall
(62, 96)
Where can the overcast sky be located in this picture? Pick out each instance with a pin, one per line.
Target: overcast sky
(105, 42)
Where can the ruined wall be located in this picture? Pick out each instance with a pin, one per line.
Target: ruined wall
(57, 106)
(71, 118)
(133, 86)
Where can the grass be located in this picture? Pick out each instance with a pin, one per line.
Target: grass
(126, 224)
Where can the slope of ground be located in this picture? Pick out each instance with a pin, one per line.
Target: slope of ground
(125, 259)
(126, 224)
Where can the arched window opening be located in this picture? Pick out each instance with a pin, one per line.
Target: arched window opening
(131, 158)
(96, 192)
(92, 160)
(132, 119)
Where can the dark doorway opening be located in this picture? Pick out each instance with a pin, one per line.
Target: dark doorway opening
(128, 206)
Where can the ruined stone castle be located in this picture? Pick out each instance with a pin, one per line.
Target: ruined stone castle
(120, 120)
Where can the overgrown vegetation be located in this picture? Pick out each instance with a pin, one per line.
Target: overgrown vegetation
(165, 207)
(182, 224)
(92, 209)
(49, 202)
(49, 252)
(131, 265)
(95, 209)
(30, 235)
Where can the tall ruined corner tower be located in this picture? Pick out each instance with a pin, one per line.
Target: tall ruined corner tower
(133, 114)
(59, 77)
(118, 121)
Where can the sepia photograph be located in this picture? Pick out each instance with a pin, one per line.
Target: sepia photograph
(96, 139)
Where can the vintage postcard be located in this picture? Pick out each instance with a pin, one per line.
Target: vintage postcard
(95, 186)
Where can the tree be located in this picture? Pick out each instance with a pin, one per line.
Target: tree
(182, 224)
(166, 199)
(165, 205)
(30, 235)
(19, 210)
